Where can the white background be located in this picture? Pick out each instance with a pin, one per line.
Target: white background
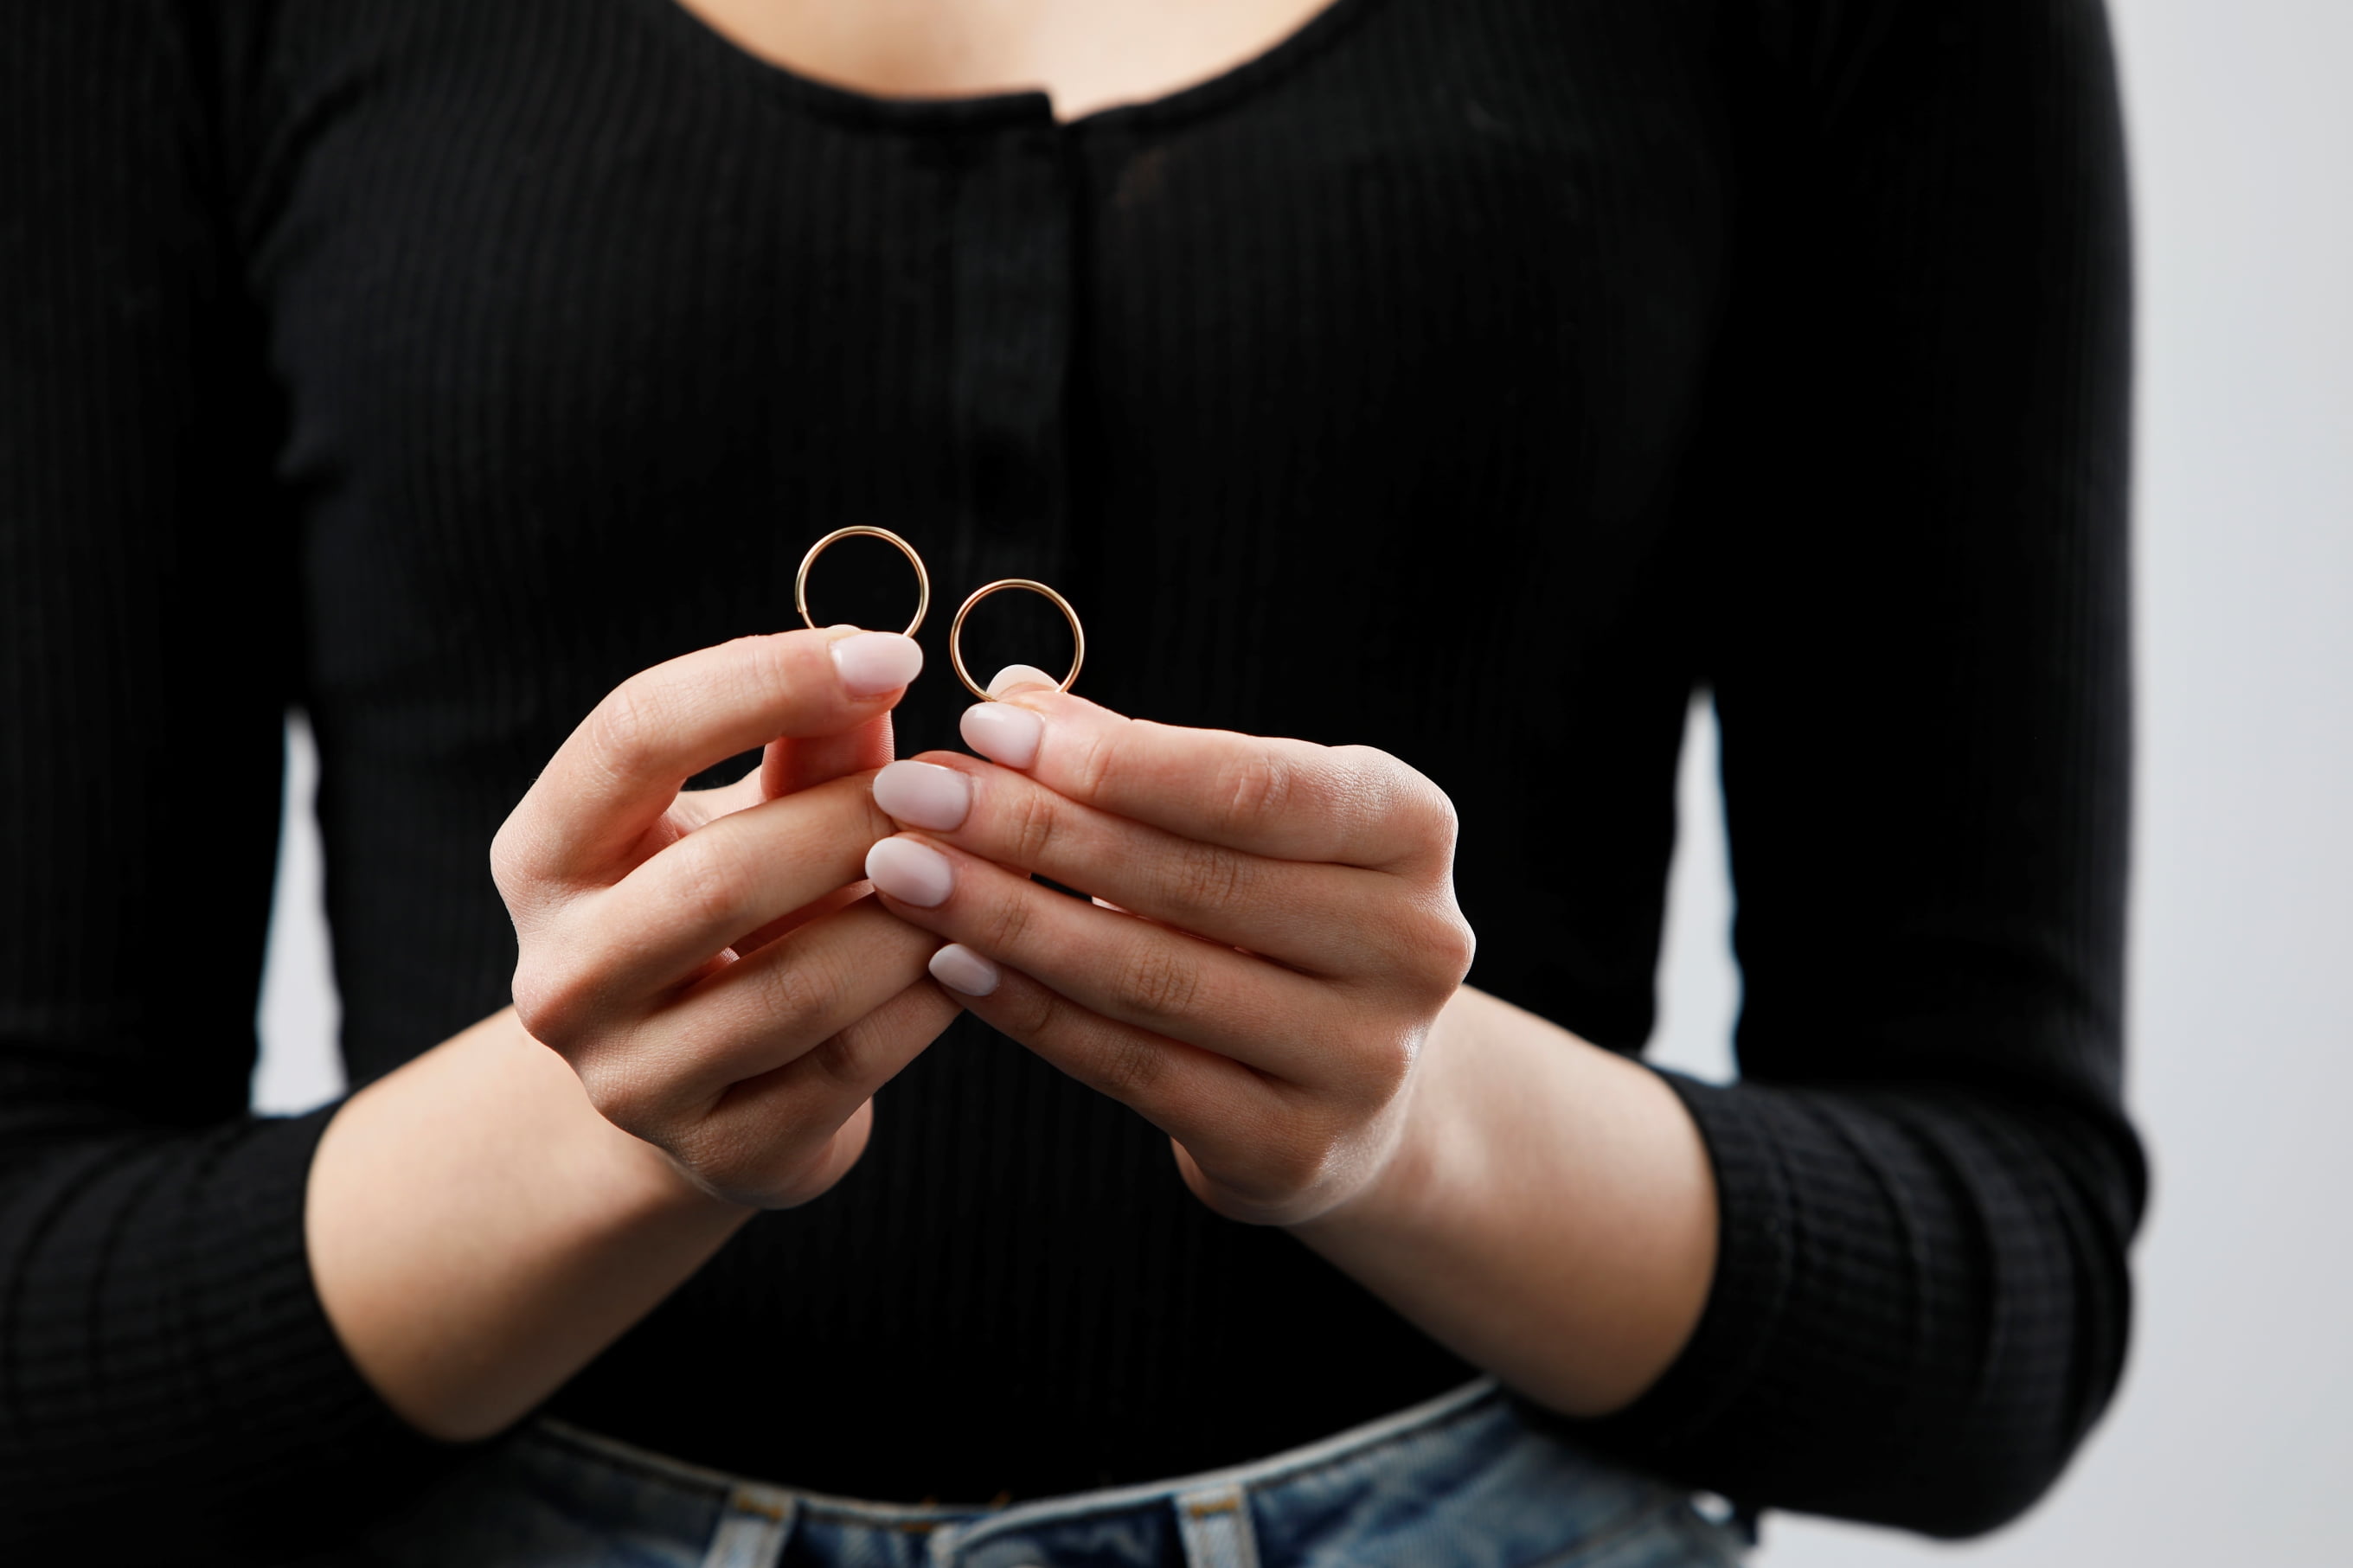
(2232, 1440)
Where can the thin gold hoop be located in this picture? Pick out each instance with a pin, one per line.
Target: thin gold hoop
(922, 578)
(955, 633)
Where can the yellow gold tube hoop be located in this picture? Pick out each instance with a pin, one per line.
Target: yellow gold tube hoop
(955, 633)
(922, 578)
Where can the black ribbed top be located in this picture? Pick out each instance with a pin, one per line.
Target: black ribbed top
(1470, 378)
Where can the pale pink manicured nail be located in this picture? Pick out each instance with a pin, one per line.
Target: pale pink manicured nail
(960, 969)
(872, 663)
(912, 873)
(1002, 733)
(1014, 675)
(922, 794)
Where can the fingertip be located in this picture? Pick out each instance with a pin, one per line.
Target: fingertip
(965, 971)
(1002, 733)
(869, 663)
(911, 871)
(1014, 677)
(923, 795)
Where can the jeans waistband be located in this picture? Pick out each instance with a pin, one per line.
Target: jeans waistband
(1463, 1476)
(1198, 1497)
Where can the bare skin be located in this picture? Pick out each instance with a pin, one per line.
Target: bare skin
(709, 996)
(706, 1002)
(1085, 54)
(1272, 975)
(1550, 1215)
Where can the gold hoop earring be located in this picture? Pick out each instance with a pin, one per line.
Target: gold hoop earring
(922, 578)
(955, 633)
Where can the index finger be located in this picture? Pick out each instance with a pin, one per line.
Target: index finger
(618, 772)
(1290, 800)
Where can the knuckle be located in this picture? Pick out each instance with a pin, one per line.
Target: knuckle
(712, 889)
(1035, 1015)
(1097, 762)
(1424, 945)
(1008, 919)
(1445, 941)
(507, 861)
(1292, 1162)
(763, 662)
(1457, 945)
(842, 1062)
(535, 1008)
(855, 1061)
(1382, 771)
(773, 670)
(1199, 875)
(1435, 809)
(1253, 789)
(1156, 980)
(623, 1094)
(1368, 764)
(799, 986)
(1132, 1064)
(1386, 1064)
(1032, 825)
(1393, 788)
(1374, 762)
(1394, 940)
(621, 728)
(553, 1005)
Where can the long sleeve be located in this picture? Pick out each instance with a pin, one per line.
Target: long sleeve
(1913, 489)
(437, 364)
(159, 1337)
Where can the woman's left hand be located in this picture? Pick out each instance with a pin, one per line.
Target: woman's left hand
(1284, 936)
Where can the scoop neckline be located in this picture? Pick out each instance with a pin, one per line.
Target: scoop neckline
(1027, 106)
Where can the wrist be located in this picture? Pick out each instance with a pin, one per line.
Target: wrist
(1548, 1212)
(477, 1232)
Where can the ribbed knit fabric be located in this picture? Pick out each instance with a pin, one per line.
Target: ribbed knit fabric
(1470, 378)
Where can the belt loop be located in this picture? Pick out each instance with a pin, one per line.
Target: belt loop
(1215, 1523)
(752, 1527)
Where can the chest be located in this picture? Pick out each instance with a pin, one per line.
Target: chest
(1085, 55)
(591, 318)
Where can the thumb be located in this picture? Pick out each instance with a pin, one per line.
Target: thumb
(790, 764)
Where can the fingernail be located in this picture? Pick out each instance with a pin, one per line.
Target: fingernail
(1014, 675)
(872, 663)
(1002, 733)
(923, 795)
(960, 969)
(910, 872)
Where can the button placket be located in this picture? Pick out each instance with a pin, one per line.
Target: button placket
(1014, 293)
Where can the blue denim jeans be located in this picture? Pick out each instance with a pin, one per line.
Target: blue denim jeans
(1461, 1480)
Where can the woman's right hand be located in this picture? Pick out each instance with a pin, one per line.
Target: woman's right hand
(710, 962)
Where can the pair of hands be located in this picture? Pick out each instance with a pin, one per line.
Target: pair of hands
(733, 973)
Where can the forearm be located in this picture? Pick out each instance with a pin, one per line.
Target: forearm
(477, 1232)
(1548, 1212)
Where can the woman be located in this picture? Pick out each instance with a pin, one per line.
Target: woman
(1418, 401)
